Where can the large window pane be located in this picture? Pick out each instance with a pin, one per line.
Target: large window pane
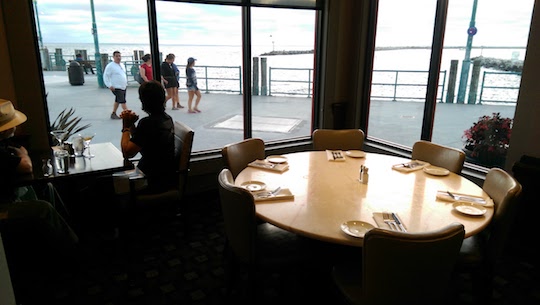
(400, 70)
(212, 35)
(282, 44)
(489, 38)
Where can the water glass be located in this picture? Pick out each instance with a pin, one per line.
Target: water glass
(61, 158)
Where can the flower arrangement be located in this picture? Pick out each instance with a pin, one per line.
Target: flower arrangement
(490, 134)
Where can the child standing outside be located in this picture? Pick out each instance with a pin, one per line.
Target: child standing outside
(191, 84)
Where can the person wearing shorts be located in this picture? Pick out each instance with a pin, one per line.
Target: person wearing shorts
(115, 78)
(191, 84)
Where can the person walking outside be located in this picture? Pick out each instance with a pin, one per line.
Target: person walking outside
(146, 68)
(191, 84)
(170, 82)
(115, 78)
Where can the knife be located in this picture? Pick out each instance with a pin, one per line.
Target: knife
(398, 221)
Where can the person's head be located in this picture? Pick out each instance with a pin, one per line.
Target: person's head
(117, 56)
(146, 58)
(170, 58)
(152, 96)
(191, 61)
(9, 119)
(79, 55)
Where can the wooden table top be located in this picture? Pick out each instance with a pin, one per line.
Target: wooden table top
(327, 194)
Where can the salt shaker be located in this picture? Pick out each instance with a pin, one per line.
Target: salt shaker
(46, 167)
(365, 176)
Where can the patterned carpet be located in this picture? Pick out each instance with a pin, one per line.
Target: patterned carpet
(179, 261)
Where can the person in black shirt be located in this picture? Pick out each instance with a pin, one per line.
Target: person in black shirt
(153, 138)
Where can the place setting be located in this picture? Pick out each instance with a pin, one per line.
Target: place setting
(389, 220)
(275, 163)
(466, 204)
(260, 191)
(335, 155)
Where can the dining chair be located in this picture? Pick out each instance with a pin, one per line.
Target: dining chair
(238, 155)
(343, 139)
(481, 253)
(248, 243)
(172, 197)
(401, 268)
(439, 155)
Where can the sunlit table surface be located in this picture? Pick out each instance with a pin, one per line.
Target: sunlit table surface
(327, 194)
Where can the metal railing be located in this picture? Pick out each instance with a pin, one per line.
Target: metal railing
(294, 78)
(499, 84)
(413, 89)
(387, 84)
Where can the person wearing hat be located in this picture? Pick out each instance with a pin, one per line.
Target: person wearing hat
(14, 158)
(191, 84)
(22, 215)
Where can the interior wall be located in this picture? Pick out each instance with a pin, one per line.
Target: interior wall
(346, 25)
(526, 128)
(22, 82)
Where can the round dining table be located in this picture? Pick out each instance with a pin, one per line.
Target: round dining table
(328, 193)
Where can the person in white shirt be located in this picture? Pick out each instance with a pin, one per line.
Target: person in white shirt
(115, 78)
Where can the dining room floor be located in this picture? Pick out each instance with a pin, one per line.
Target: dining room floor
(178, 260)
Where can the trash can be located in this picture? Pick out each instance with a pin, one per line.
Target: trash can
(75, 74)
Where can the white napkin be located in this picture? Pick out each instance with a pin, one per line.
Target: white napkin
(281, 195)
(444, 196)
(263, 164)
(411, 166)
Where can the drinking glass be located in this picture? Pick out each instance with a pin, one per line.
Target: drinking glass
(87, 138)
(59, 134)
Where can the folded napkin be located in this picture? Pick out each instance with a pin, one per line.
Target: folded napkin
(378, 217)
(263, 164)
(282, 194)
(411, 166)
(444, 196)
(335, 155)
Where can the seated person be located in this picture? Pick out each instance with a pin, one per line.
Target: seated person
(153, 138)
(84, 64)
(22, 215)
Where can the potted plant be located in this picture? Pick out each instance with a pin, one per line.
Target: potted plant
(487, 140)
(68, 122)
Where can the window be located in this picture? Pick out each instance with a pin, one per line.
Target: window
(281, 96)
(488, 38)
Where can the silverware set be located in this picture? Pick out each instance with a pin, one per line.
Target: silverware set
(466, 198)
(269, 194)
(393, 222)
(337, 155)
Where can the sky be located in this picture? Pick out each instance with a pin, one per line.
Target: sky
(499, 22)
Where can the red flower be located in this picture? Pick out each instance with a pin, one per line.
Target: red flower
(489, 134)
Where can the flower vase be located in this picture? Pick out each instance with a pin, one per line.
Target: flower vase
(484, 157)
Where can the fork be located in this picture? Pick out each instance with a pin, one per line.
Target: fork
(269, 194)
(390, 221)
(466, 198)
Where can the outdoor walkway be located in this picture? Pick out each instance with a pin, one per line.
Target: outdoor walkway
(275, 118)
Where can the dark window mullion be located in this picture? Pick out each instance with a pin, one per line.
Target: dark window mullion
(434, 69)
(246, 70)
